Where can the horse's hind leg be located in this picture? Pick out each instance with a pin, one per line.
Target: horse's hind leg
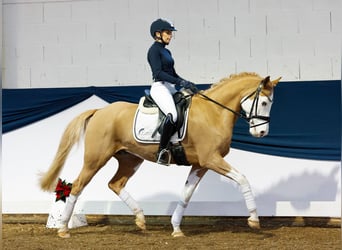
(93, 162)
(194, 177)
(128, 165)
(78, 185)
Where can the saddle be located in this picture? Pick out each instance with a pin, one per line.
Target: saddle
(182, 102)
(149, 119)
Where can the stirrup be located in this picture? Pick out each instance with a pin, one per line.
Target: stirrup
(161, 159)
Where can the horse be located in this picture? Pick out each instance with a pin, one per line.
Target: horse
(213, 112)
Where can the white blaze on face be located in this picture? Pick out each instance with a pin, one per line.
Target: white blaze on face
(258, 127)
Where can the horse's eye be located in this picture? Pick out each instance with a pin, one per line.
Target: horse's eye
(264, 104)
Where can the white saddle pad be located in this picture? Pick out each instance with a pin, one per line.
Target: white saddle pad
(146, 121)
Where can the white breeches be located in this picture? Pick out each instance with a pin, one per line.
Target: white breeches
(161, 93)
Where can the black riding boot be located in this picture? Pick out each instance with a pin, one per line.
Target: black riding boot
(164, 156)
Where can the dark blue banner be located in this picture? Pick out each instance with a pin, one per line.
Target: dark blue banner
(305, 117)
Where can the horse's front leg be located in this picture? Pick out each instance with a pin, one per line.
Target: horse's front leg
(253, 220)
(194, 177)
(222, 167)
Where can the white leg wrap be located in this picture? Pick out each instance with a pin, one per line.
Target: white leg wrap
(69, 208)
(129, 201)
(245, 189)
(188, 190)
(177, 216)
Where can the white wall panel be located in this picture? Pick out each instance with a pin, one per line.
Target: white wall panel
(99, 75)
(327, 5)
(235, 48)
(29, 54)
(19, 76)
(316, 22)
(71, 33)
(265, 6)
(98, 31)
(253, 64)
(116, 52)
(23, 33)
(336, 20)
(287, 67)
(166, 9)
(55, 54)
(316, 66)
(202, 9)
(117, 10)
(221, 34)
(297, 6)
(328, 45)
(22, 13)
(282, 23)
(57, 12)
(219, 26)
(250, 24)
(300, 46)
(87, 11)
(231, 7)
(266, 46)
(44, 77)
(86, 53)
(336, 66)
(142, 11)
(72, 75)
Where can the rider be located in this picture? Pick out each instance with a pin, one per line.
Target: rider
(165, 81)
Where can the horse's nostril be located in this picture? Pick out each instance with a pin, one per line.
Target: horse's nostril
(262, 132)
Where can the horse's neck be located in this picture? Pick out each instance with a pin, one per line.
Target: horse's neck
(229, 93)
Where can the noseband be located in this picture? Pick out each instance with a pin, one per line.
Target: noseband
(254, 107)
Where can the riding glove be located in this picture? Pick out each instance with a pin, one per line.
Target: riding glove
(189, 85)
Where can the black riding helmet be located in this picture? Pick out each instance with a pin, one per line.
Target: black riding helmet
(160, 25)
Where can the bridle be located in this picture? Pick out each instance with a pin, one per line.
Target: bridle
(254, 107)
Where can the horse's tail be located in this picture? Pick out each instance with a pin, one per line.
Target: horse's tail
(71, 135)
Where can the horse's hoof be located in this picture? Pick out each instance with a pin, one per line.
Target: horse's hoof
(140, 220)
(255, 224)
(64, 234)
(178, 234)
(140, 224)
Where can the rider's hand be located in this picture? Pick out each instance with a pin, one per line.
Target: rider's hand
(189, 85)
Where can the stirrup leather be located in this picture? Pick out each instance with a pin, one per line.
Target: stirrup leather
(161, 155)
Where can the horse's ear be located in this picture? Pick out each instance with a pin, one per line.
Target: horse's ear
(275, 82)
(266, 80)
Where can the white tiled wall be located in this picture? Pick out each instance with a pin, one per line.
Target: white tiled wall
(65, 43)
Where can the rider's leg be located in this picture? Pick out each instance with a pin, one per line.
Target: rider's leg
(161, 93)
(167, 131)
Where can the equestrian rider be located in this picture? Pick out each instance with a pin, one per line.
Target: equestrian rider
(165, 81)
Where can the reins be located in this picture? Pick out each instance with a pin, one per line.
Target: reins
(254, 106)
(224, 107)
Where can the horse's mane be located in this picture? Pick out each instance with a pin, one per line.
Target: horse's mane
(233, 77)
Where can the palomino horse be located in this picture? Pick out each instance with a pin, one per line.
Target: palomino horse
(212, 115)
